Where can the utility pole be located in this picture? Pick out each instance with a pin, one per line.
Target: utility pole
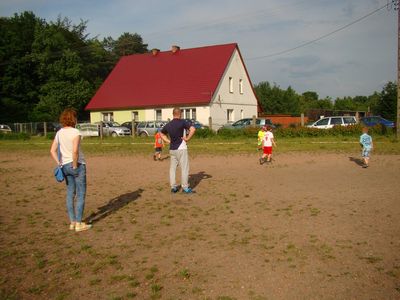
(395, 4)
(397, 7)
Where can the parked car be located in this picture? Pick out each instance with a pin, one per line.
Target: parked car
(375, 120)
(115, 129)
(129, 125)
(149, 128)
(195, 124)
(243, 123)
(329, 122)
(5, 129)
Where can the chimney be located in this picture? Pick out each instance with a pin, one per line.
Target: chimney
(155, 51)
(175, 48)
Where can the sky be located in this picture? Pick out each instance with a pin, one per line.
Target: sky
(357, 60)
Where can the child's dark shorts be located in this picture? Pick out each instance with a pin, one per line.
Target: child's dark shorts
(158, 149)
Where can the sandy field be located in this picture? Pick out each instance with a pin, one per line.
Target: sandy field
(307, 226)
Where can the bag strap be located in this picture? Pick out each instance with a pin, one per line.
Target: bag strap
(58, 148)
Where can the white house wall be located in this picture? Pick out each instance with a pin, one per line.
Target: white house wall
(202, 113)
(244, 105)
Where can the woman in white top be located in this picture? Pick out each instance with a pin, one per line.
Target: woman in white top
(73, 166)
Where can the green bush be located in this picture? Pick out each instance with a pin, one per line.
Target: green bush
(204, 133)
(14, 136)
(298, 131)
(50, 135)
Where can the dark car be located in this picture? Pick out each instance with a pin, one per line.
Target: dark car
(376, 120)
(195, 124)
(243, 123)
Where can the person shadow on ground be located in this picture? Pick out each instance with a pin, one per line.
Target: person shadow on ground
(357, 161)
(113, 205)
(195, 179)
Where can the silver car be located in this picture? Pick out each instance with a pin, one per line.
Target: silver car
(114, 129)
(329, 122)
(149, 128)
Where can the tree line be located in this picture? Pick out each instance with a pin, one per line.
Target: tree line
(48, 66)
(276, 100)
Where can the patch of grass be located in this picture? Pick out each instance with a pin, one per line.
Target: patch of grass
(117, 278)
(372, 259)
(94, 281)
(9, 294)
(37, 289)
(213, 145)
(314, 211)
(131, 295)
(197, 290)
(156, 291)
(184, 273)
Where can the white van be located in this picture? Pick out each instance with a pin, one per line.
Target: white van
(329, 122)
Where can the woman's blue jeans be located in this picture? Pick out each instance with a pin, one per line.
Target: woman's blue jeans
(76, 185)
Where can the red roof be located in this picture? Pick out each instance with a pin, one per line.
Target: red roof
(187, 77)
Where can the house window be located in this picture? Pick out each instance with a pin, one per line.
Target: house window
(187, 113)
(194, 116)
(241, 114)
(108, 117)
(158, 114)
(230, 85)
(229, 115)
(240, 86)
(135, 116)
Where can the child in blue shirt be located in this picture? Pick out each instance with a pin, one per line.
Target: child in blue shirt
(367, 146)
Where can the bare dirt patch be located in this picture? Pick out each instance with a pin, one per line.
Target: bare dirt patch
(308, 226)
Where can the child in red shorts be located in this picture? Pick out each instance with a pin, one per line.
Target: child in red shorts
(267, 143)
(158, 145)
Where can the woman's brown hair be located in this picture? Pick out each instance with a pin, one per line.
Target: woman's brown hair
(68, 117)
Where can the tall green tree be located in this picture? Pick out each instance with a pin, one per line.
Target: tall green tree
(387, 103)
(48, 66)
(60, 49)
(20, 81)
(126, 44)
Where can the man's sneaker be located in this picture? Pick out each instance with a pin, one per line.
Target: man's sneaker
(82, 226)
(187, 191)
(174, 189)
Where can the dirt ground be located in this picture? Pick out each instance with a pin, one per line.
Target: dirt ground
(308, 226)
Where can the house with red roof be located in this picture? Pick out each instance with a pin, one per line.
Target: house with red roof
(204, 82)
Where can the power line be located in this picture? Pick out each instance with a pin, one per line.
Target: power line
(319, 38)
(229, 19)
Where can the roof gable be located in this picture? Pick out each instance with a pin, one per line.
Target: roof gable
(187, 77)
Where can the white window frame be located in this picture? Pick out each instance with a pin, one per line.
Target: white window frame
(194, 114)
(108, 116)
(231, 85)
(229, 115)
(158, 114)
(135, 115)
(241, 86)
